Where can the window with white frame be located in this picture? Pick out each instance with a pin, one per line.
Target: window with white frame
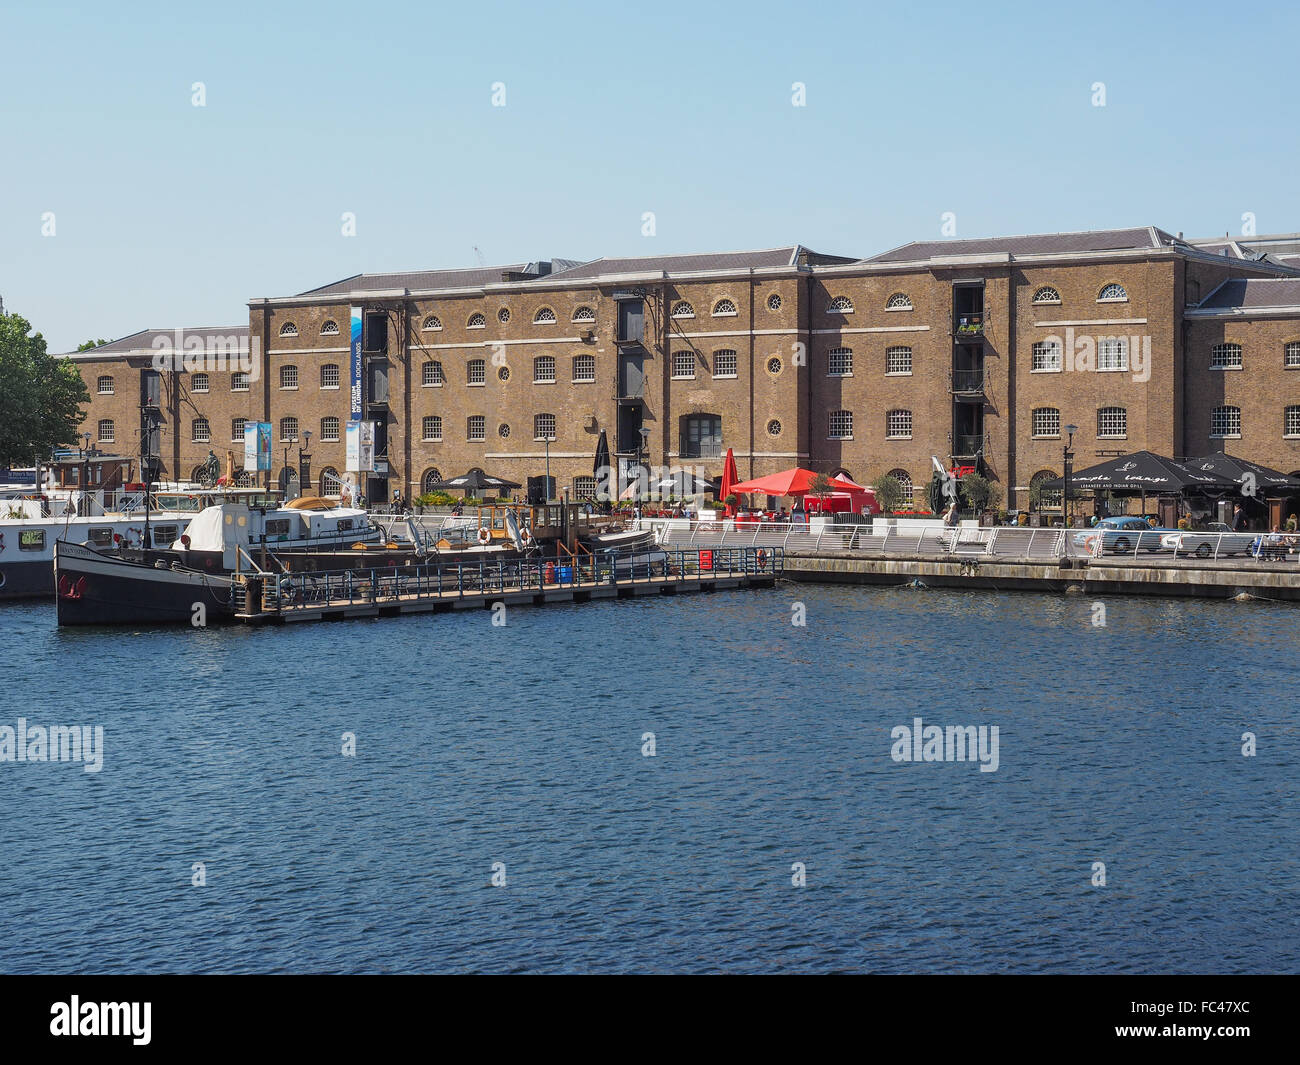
(476, 372)
(899, 301)
(725, 363)
(476, 427)
(584, 369)
(544, 316)
(288, 377)
(1291, 356)
(723, 309)
(1225, 421)
(431, 427)
(584, 314)
(1046, 421)
(1112, 293)
(898, 425)
(682, 309)
(1046, 356)
(683, 365)
(1112, 353)
(839, 362)
(239, 382)
(1047, 294)
(431, 375)
(105, 430)
(476, 321)
(329, 375)
(200, 431)
(840, 425)
(503, 315)
(1225, 357)
(904, 480)
(774, 302)
(329, 429)
(237, 428)
(288, 330)
(289, 428)
(431, 323)
(701, 436)
(584, 487)
(199, 383)
(544, 370)
(329, 328)
(840, 305)
(105, 386)
(543, 426)
(898, 360)
(1112, 423)
(1291, 421)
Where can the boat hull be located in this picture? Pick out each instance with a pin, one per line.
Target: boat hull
(27, 580)
(97, 589)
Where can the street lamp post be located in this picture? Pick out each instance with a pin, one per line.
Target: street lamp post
(548, 440)
(641, 449)
(304, 461)
(1070, 430)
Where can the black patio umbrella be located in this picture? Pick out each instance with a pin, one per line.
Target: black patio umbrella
(602, 455)
(1145, 472)
(1241, 471)
(474, 481)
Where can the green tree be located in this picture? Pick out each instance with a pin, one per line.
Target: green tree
(41, 397)
(982, 493)
(820, 486)
(91, 344)
(889, 493)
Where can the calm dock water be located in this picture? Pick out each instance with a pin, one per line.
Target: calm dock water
(522, 745)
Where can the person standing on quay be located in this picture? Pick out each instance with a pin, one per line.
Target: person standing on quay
(1238, 518)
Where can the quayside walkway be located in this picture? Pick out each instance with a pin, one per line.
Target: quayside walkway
(430, 587)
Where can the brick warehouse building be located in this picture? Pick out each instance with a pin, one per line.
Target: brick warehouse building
(977, 352)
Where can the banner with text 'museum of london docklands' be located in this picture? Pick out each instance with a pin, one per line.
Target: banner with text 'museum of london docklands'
(356, 364)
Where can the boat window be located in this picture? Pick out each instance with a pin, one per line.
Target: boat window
(31, 540)
(102, 537)
(277, 527)
(345, 524)
(165, 535)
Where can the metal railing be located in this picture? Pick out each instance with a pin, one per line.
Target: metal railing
(970, 382)
(1190, 545)
(461, 579)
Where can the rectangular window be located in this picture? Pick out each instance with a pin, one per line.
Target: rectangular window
(106, 431)
(432, 427)
(544, 370)
(898, 425)
(239, 382)
(101, 537)
(683, 365)
(288, 428)
(329, 430)
(543, 426)
(432, 375)
(1112, 422)
(898, 360)
(105, 386)
(31, 540)
(1225, 421)
(199, 383)
(288, 377)
(1291, 422)
(840, 363)
(725, 364)
(1225, 357)
(476, 427)
(1112, 354)
(237, 429)
(202, 433)
(1291, 356)
(1047, 357)
(476, 373)
(584, 488)
(584, 368)
(841, 425)
(1047, 422)
(329, 375)
(702, 438)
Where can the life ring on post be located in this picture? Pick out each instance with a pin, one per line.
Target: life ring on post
(485, 535)
(762, 558)
(288, 589)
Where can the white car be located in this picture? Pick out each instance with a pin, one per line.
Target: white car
(1216, 539)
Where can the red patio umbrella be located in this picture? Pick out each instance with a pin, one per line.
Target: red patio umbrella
(793, 482)
(730, 476)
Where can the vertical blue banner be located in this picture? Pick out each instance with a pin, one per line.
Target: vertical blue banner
(356, 363)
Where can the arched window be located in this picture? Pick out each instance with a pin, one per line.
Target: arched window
(288, 483)
(724, 309)
(544, 316)
(199, 383)
(1112, 293)
(105, 430)
(431, 477)
(105, 387)
(584, 314)
(1225, 421)
(1112, 423)
(1046, 497)
(329, 328)
(1225, 357)
(904, 480)
(200, 431)
(840, 425)
(289, 376)
(1047, 294)
(329, 375)
(431, 427)
(899, 301)
(476, 321)
(1046, 422)
(288, 330)
(701, 436)
(682, 309)
(330, 482)
(544, 370)
(898, 425)
(329, 429)
(288, 429)
(431, 375)
(431, 324)
(841, 305)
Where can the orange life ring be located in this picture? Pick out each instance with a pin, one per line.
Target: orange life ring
(484, 535)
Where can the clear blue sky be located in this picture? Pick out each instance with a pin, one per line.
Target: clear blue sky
(168, 214)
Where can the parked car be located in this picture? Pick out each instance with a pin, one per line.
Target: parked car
(1121, 536)
(1216, 539)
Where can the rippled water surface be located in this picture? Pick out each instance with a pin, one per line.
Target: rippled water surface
(522, 745)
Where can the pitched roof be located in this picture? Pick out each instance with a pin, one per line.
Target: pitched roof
(1253, 293)
(144, 339)
(1031, 244)
(766, 258)
(423, 280)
